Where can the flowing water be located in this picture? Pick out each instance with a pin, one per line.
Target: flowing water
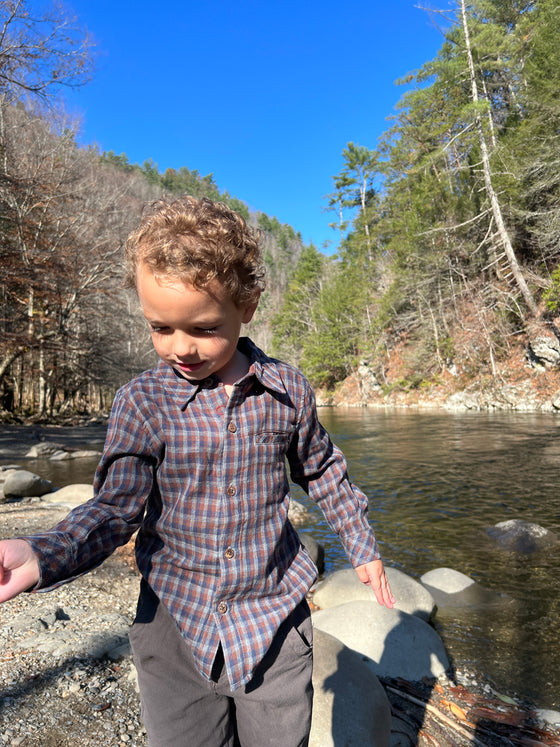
(436, 481)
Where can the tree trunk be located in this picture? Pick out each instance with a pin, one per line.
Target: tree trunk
(514, 266)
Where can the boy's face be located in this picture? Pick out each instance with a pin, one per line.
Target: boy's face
(193, 330)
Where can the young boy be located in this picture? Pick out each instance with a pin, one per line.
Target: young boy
(195, 461)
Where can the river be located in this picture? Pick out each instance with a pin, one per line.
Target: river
(436, 481)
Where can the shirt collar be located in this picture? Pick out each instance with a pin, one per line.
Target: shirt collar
(262, 367)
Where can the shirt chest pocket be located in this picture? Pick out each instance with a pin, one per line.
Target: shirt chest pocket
(270, 449)
(270, 438)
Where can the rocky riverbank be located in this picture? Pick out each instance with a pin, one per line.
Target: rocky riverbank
(528, 380)
(67, 676)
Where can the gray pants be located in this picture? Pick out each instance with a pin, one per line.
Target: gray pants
(180, 708)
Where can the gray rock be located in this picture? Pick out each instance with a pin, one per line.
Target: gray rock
(344, 586)
(5, 472)
(544, 346)
(24, 484)
(60, 456)
(44, 449)
(315, 549)
(350, 706)
(447, 580)
(451, 588)
(399, 644)
(72, 495)
(547, 716)
(463, 400)
(37, 621)
(521, 536)
(369, 386)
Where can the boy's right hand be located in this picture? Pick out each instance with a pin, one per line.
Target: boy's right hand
(19, 568)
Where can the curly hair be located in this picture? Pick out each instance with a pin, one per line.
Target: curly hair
(198, 241)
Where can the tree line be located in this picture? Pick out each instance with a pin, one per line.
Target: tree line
(449, 229)
(69, 333)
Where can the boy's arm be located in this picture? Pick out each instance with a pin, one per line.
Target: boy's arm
(319, 467)
(123, 483)
(19, 568)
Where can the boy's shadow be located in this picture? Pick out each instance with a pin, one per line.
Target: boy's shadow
(360, 688)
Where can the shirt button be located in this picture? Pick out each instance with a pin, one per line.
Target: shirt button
(231, 490)
(230, 552)
(222, 608)
(232, 428)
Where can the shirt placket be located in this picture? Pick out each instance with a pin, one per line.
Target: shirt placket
(231, 502)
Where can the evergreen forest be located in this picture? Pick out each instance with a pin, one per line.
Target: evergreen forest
(447, 230)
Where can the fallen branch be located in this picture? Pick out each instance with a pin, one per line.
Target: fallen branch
(437, 714)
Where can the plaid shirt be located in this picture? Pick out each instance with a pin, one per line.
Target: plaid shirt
(203, 478)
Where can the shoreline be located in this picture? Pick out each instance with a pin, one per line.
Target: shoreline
(471, 693)
(67, 675)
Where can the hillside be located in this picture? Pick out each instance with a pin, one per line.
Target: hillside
(527, 379)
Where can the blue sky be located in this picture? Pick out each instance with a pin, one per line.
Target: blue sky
(262, 94)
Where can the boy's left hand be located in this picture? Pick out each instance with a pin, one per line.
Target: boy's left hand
(373, 574)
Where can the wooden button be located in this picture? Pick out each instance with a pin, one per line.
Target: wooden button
(231, 490)
(232, 428)
(230, 552)
(222, 608)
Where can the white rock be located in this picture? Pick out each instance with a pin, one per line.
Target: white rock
(548, 716)
(344, 586)
(60, 456)
(447, 580)
(400, 644)
(43, 449)
(452, 589)
(72, 495)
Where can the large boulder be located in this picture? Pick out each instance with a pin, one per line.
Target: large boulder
(521, 536)
(344, 586)
(23, 484)
(350, 706)
(543, 348)
(399, 644)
